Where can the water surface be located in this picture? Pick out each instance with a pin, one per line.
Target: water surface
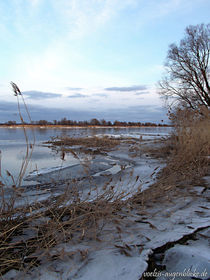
(13, 146)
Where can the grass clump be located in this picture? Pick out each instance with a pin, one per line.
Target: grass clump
(28, 233)
(187, 156)
(187, 150)
(191, 141)
(105, 143)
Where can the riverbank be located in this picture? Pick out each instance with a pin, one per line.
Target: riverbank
(48, 126)
(108, 219)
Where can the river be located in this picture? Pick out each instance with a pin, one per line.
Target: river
(13, 146)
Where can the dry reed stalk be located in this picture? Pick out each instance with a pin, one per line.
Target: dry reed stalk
(187, 153)
(53, 225)
(0, 163)
(66, 217)
(192, 140)
(29, 146)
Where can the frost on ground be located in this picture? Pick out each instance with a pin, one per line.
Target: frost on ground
(123, 253)
(122, 250)
(189, 261)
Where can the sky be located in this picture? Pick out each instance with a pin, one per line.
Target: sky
(84, 59)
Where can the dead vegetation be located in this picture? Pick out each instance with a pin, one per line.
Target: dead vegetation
(189, 146)
(191, 141)
(187, 154)
(29, 233)
(105, 143)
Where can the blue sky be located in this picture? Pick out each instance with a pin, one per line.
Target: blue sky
(82, 59)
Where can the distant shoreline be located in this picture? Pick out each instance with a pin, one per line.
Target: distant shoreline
(76, 126)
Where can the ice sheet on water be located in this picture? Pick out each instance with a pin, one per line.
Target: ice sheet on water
(144, 136)
(47, 170)
(170, 222)
(191, 260)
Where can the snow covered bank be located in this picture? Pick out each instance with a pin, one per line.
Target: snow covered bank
(122, 247)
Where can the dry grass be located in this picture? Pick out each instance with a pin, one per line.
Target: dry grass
(191, 142)
(188, 149)
(187, 154)
(104, 143)
(28, 233)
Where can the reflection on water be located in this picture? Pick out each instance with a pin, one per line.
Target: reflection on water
(13, 146)
(42, 157)
(44, 134)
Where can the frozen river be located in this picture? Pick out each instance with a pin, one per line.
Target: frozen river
(13, 145)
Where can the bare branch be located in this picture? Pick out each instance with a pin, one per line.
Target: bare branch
(188, 71)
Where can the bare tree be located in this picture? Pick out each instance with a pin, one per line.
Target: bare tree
(188, 72)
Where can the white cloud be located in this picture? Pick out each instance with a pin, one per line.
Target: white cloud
(84, 17)
(34, 3)
(58, 63)
(149, 12)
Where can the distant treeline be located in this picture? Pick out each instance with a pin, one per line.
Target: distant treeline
(92, 122)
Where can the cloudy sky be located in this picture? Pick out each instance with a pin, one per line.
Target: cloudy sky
(82, 59)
